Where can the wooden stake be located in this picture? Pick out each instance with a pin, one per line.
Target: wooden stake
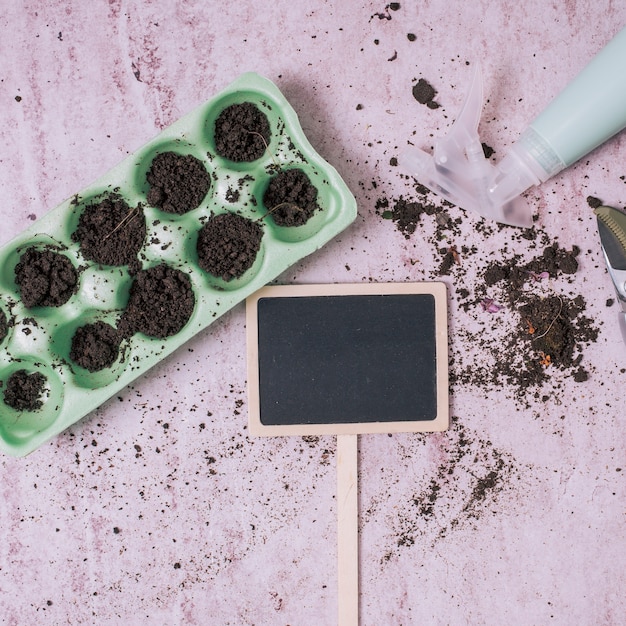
(348, 530)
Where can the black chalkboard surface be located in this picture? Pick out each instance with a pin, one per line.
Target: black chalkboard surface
(347, 359)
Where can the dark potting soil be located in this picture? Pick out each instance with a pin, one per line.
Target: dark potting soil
(551, 328)
(110, 232)
(45, 278)
(23, 391)
(178, 182)
(553, 261)
(228, 245)
(406, 213)
(425, 93)
(547, 331)
(290, 198)
(95, 346)
(242, 132)
(4, 326)
(160, 303)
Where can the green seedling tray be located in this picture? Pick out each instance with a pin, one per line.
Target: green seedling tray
(39, 337)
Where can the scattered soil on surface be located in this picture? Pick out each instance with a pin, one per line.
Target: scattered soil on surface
(242, 133)
(228, 245)
(550, 329)
(291, 198)
(407, 213)
(594, 202)
(472, 478)
(553, 261)
(525, 326)
(4, 325)
(110, 232)
(45, 278)
(95, 346)
(392, 6)
(24, 390)
(530, 329)
(425, 93)
(178, 182)
(161, 302)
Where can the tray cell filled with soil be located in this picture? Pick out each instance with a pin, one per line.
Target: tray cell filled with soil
(31, 396)
(110, 231)
(125, 271)
(173, 177)
(179, 183)
(45, 277)
(229, 250)
(5, 324)
(93, 348)
(160, 303)
(289, 202)
(241, 132)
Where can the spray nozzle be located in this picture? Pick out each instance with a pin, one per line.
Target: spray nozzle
(459, 171)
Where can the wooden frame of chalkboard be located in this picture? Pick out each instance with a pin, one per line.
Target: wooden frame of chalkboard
(347, 359)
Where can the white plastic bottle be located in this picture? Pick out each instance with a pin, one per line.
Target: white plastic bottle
(590, 110)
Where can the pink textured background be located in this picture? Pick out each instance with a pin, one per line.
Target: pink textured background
(157, 508)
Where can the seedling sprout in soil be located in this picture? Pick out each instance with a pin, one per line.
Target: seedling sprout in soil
(267, 148)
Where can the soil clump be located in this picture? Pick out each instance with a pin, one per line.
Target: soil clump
(110, 232)
(291, 198)
(24, 390)
(4, 326)
(425, 93)
(228, 245)
(161, 302)
(551, 329)
(178, 182)
(95, 346)
(242, 133)
(45, 278)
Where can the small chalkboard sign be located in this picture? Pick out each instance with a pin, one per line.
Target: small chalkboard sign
(348, 359)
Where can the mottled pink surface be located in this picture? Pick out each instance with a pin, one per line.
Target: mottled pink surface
(157, 508)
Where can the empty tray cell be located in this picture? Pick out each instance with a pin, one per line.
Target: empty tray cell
(166, 238)
(234, 190)
(31, 398)
(110, 232)
(103, 288)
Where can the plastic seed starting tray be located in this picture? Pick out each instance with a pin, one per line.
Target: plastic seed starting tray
(38, 339)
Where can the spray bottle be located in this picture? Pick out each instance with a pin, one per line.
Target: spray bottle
(590, 110)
